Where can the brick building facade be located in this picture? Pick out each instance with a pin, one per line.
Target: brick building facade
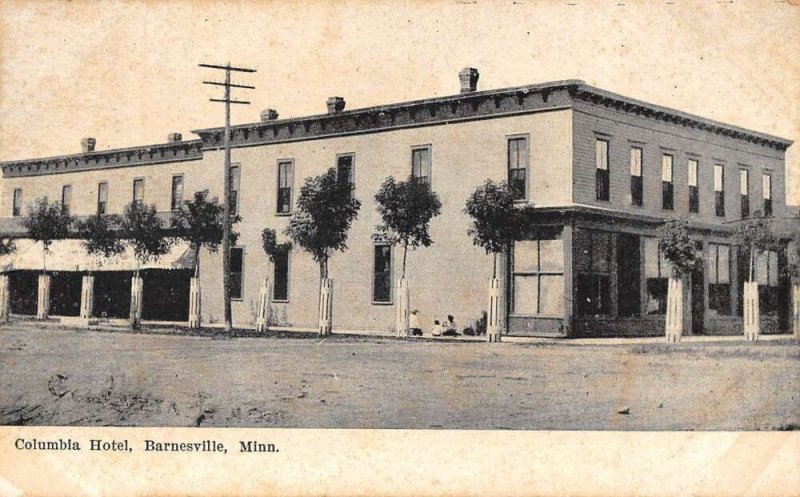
(603, 171)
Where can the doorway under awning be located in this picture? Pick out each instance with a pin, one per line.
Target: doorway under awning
(70, 255)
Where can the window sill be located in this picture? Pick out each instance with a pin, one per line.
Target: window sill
(240, 299)
(283, 214)
(382, 303)
(280, 301)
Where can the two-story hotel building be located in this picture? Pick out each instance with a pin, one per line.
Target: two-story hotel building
(601, 170)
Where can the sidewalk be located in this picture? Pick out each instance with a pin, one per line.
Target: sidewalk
(212, 330)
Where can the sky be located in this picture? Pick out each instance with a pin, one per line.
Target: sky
(126, 72)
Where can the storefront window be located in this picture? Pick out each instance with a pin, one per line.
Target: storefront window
(593, 264)
(538, 278)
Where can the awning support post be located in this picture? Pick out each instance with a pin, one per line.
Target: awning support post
(5, 298)
(137, 290)
(43, 302)
(194, 302)
(674, 318)
(403, 304)
(262, 313)
(87, 297)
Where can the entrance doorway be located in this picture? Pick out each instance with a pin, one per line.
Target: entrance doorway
(698, 297)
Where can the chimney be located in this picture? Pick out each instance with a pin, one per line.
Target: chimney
(87, 144)
(174, 137)
(268, 115)
(469, 79)
(335, 105)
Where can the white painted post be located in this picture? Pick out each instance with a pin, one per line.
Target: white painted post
(493, 326)
(262, 313)
(326, 307)
(796, 311)
(87, 297)
(195, 296)
(674, 310)
(5, 298)
(137, 290)
(751, 311)
(43, 302)
(403, 297)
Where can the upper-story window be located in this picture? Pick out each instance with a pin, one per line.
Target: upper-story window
(719, 190)
(102, 198)
(602, 186)
(66, 199)
(518, 167)
(667, 187)
(636, 177)
(421, 164)
(176, 200)
(138, 191)
(345, 170)
(766, 186)
(235, 199)
(16, 206)
(744, 192)
(694, 192)
(285, 181)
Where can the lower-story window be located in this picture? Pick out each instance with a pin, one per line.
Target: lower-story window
(656, 272)
(382, 275)
(719, 282)
(593, 265)
(766, 275)
(539, 277)
(237, 272)
(280, 289)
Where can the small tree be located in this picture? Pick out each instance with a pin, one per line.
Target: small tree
(46, 223)
(792, 270)
(269, 242)
(199, 222)
(407, 208)
(495, 219)
(101, 235)
(325, 211)
(679, 248)
(7, 246)
(756, 234)
(142, 231)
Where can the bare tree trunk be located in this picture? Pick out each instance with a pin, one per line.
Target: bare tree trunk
(752, 257)
(405, 252)
(494, 266)
(197, 260)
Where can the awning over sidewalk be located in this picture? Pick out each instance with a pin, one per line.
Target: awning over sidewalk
(70, 255)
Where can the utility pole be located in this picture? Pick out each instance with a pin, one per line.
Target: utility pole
(226, 200)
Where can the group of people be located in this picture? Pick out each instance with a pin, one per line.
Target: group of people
(446, 327)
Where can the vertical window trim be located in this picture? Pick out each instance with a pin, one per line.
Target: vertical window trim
(16, 203)
(278, 187)
(391, 274)
(100, 186)
(525, 137)
(429, 149)
(172, 205)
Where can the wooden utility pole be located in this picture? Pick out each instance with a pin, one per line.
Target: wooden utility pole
(226, 200)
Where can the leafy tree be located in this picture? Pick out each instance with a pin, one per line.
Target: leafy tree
(495, 219)
(142, 231)
(7, 246)
(407, 208)
(792, 269)
(679, 248)
(756, 234)
(101, 235)
(46, 223)
(199, 222)
(325, 211)
(269, 242)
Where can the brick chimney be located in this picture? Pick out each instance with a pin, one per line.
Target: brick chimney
(469, 79)
(174, 137)
(335, 105)
(87, 144)
(269, 115)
